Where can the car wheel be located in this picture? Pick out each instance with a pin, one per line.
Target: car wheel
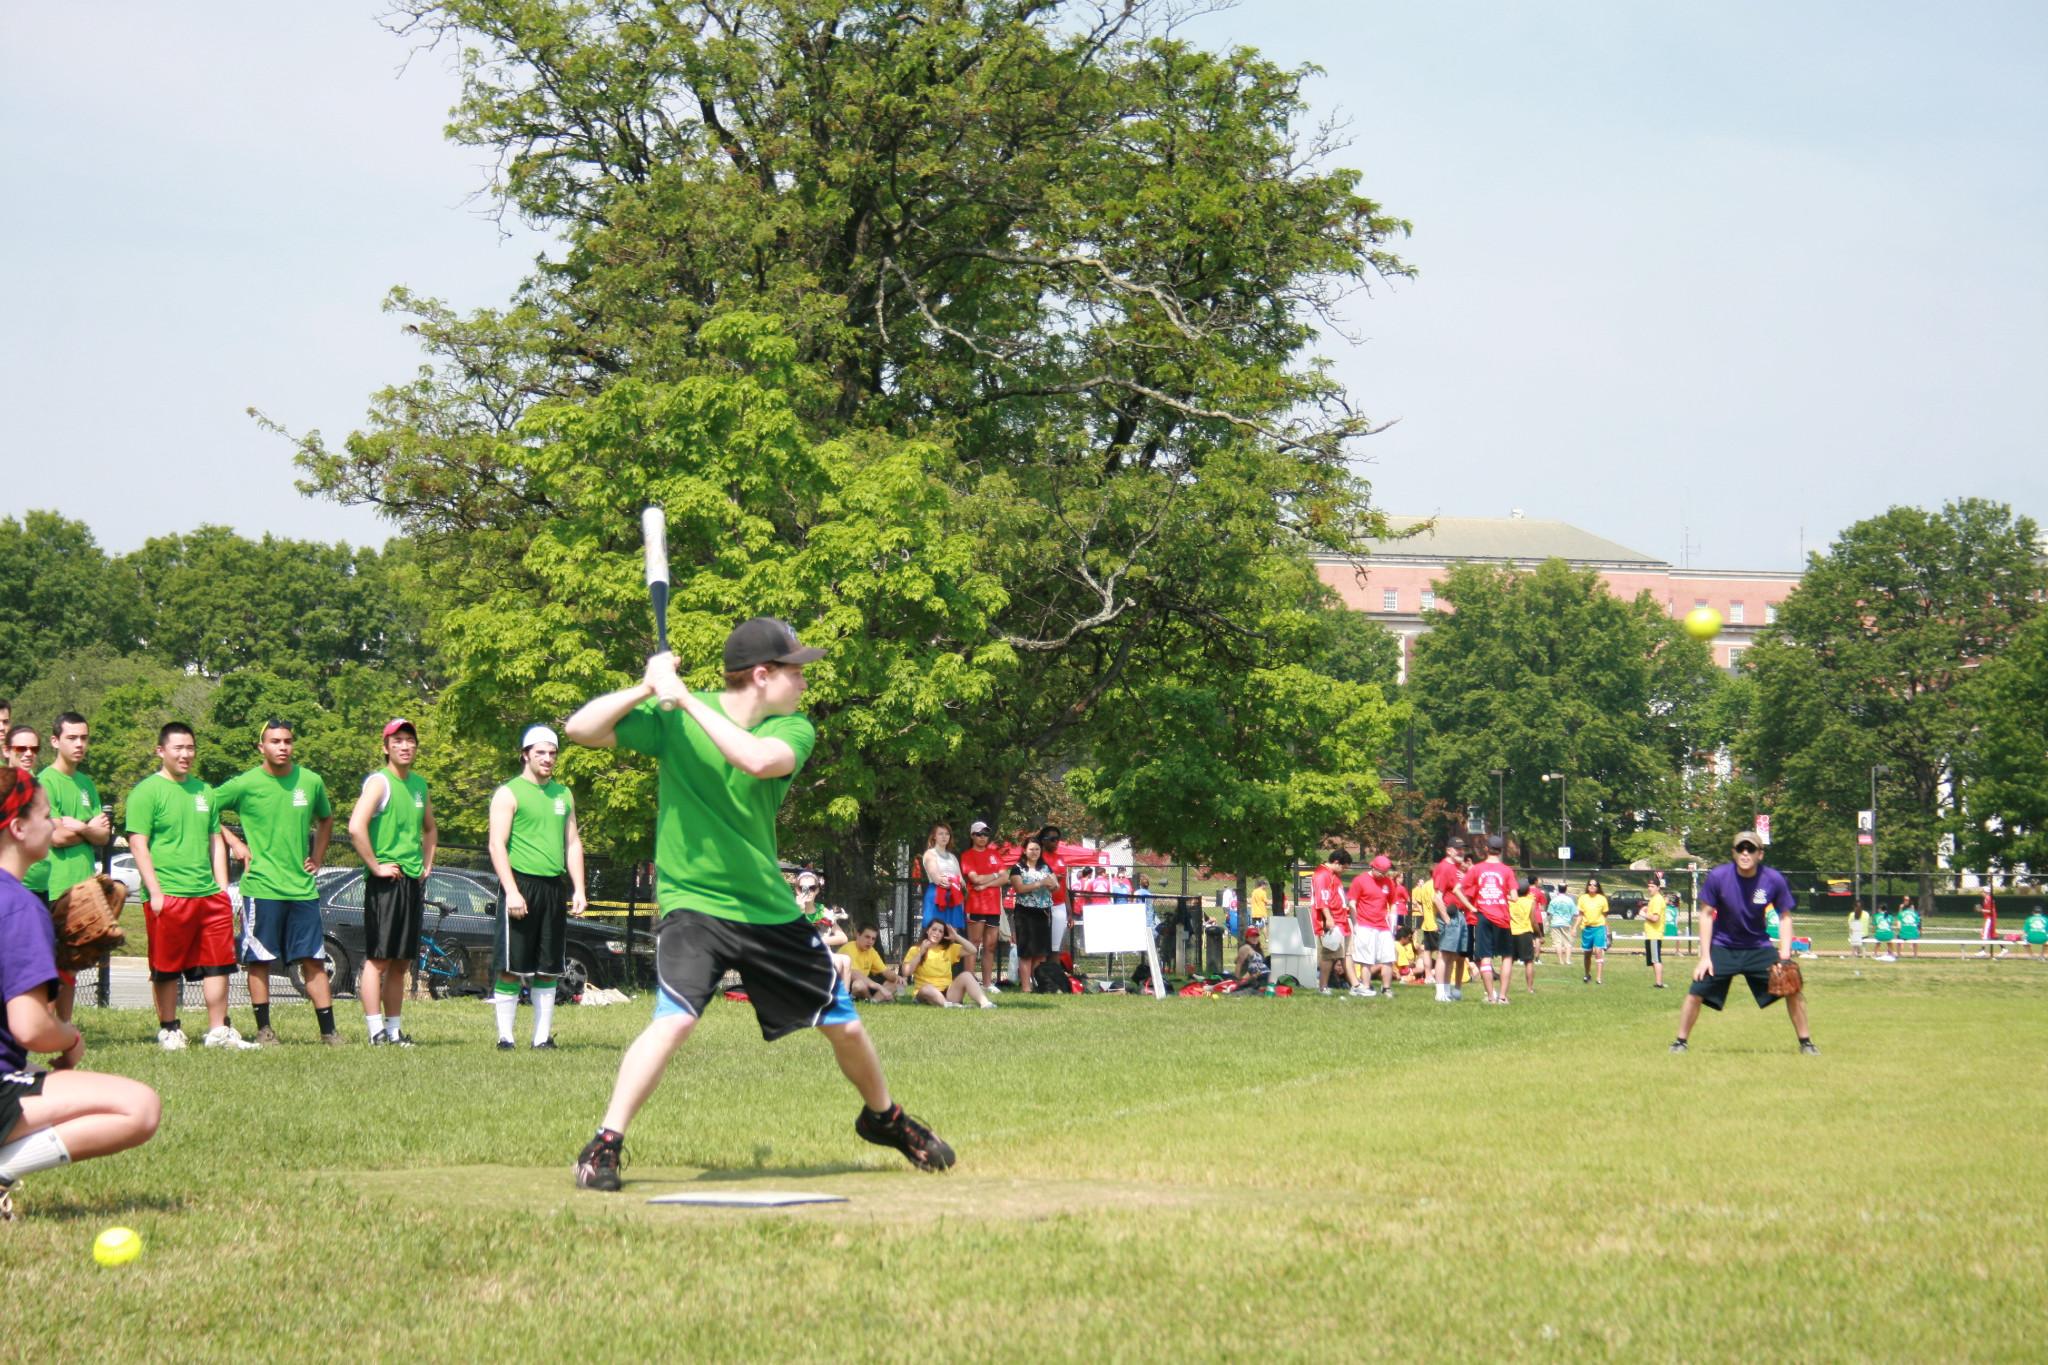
(341, 972)
(577, 973)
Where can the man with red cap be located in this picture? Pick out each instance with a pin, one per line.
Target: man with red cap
(1377, 901)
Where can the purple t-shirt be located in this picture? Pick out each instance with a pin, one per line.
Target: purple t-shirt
(28, 959)
(1738, 903)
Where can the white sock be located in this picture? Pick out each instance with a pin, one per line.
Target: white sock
(543, 1012)
(391, 1029)
(39, 1151)
(507, 1005)
(376, 1023)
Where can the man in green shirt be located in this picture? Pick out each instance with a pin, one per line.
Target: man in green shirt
(725, 760)
(82, 829)
(287, 821)
(537, 853)
(174, 835)
(392, 828)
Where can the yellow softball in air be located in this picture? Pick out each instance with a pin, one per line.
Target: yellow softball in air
(1703, 623)
(117, 1246)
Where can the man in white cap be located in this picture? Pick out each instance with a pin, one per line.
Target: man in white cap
(537, 853)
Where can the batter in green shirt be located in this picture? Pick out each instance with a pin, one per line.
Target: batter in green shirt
(714, 833)
(278, 815)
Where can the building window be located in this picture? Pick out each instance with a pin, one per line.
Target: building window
(1390, 599)
(1698, 602)
(1735, 613)
(1770, 613)
(1428, 600)
(1735, 653)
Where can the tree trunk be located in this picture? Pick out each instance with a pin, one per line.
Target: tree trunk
(853, 877)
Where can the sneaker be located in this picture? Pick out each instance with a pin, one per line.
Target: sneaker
(378, 1039)
(597, 1167)
(171, 1039)
(986, 1004)
(333, 1040)
(545, 1045)
(267, 1037)
(1587, 979)
(226, 1037)
(992, 988)
(1324, 990)
(920, 1145)
(7, 1201)
(402, 1040)
(1678, 1045)
(1807, 1049)
(507, 1045)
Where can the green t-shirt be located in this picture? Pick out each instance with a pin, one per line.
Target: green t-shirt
(539, 842)
(1909, 924)
(179, 821)
(2037, 928)
(1771, 922)
(1885, 926)
(77, 798)
(398, 829)
(278, 815)
(714, 832)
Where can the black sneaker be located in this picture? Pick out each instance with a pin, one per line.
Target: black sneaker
(547, 1046)
(1807, 1049)
(598, 1167)
(506, 1045)
(1678, 1045)
(920, 1145)
(378, 1039)
(402, 1040)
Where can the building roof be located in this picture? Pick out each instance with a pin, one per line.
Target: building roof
(1504, 538)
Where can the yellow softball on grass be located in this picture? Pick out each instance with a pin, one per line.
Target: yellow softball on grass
(117, 1246)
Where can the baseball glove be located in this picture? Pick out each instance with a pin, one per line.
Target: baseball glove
(1785, 978)
(88, 920)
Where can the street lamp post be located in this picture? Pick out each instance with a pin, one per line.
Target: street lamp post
(1564, 818)
(1877, 770)
(1500, 808)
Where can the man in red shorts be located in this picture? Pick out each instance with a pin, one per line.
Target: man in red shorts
(174, 833)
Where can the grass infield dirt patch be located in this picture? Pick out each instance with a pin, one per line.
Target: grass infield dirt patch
(1298, 1179)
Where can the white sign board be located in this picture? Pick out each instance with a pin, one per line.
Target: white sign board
(1763, 830)
(1119, 927)
(1564, 854)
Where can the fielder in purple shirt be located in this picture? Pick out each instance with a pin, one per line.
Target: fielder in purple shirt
(47, 1118)
(1733, 898)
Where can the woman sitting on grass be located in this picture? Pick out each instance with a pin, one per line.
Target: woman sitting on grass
(47, 1118)
(932, 964)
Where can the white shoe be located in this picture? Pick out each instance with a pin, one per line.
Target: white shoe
(1368, 992)
(952, 1005)
(988, 1004)
(225, 1036)
(993, 989)
(171, 1039)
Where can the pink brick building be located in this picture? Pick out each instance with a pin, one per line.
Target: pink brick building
(1397, 584)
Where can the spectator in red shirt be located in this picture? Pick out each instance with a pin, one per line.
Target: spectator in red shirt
(1377, 902)
(1484, 891)
(1331, 917)
(985, 873)
(1454, 930)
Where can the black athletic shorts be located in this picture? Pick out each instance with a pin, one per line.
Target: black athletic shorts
(1431, 938)
(16, 1086)
(1522, 947)
(1751, 964)
(1653, 951)
(1491, 940)
(391, 917)
(533, 944)
(785, 969)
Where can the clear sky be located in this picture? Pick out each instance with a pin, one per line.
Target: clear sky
(1707, 280)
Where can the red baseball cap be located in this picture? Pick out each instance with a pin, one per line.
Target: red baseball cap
(393, 727)
(1382, 864)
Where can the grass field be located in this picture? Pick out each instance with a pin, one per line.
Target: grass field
(1303, 1178)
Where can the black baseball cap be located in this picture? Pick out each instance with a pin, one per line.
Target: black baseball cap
(766, 640)
(1494, 843)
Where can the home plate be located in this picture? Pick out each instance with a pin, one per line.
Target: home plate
(747, 1199)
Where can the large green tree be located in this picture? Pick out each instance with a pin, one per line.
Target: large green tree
(58, 593)
(2002, 818)
(1874, 662)
(1546, 671)
(1012, 304)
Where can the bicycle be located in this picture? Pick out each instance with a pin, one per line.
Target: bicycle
(442, 967)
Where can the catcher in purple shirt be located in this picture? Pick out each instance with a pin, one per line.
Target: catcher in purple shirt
(1733, 943)
(47, 1118)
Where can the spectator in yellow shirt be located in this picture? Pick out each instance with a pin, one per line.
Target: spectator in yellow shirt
(1422, 904)
(1521, 939)
(932, 968)
(1591, 919)
(1653, 933)
(871, 978)
(1261, 902)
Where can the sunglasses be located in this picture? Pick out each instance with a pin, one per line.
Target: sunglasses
(24, 748)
